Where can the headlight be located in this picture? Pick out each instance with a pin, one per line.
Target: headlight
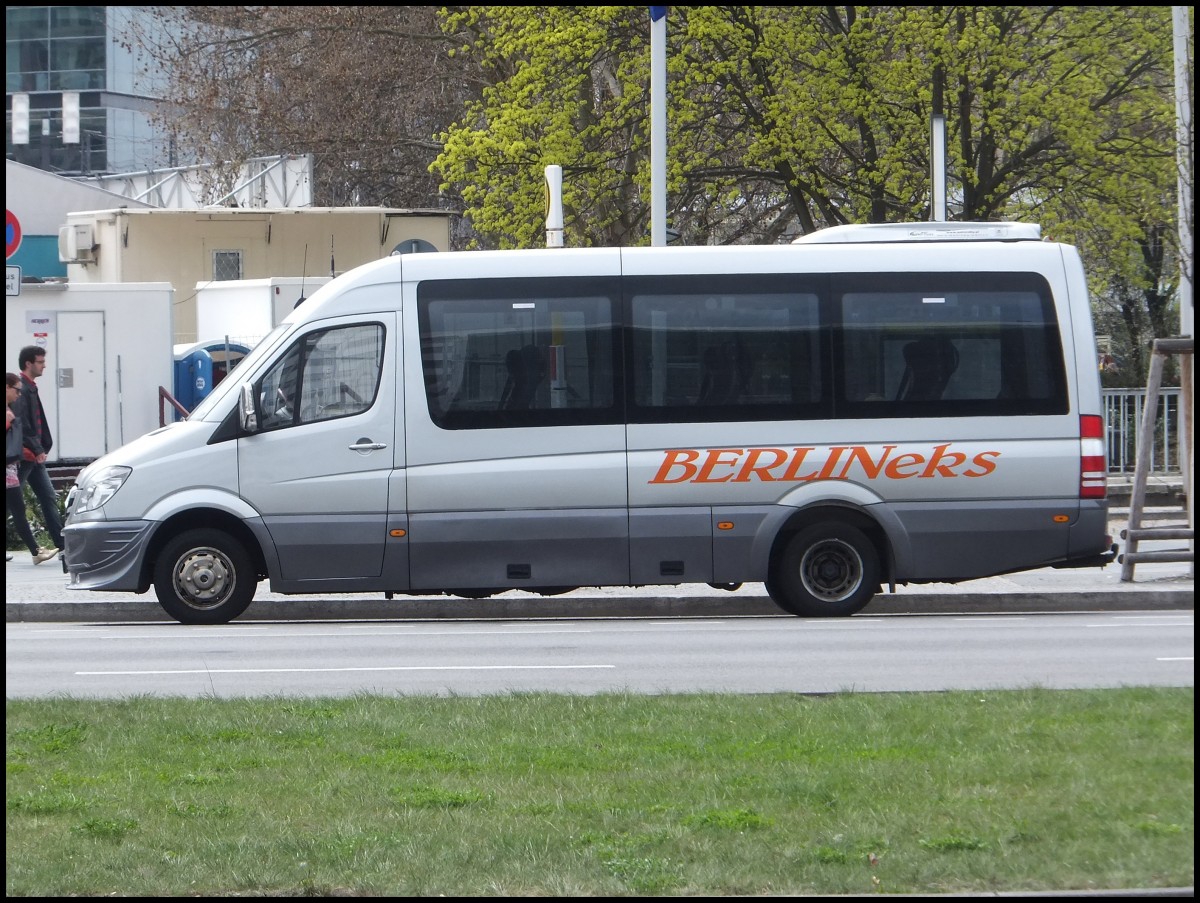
(96, 489)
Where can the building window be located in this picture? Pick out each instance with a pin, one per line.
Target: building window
(77, 21)
(227, 265)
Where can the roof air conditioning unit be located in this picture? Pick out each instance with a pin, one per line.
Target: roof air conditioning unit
(76, 243)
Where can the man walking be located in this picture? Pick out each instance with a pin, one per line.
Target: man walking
(38, 443)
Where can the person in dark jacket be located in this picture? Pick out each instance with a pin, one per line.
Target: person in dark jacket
(38, 442)
(14, 495)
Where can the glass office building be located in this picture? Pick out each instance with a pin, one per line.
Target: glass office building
(98, 53)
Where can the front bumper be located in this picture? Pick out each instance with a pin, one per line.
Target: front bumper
(107, 555)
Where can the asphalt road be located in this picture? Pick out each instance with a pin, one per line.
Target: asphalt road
(885, 653)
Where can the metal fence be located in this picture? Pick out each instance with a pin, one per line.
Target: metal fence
(1123, 422)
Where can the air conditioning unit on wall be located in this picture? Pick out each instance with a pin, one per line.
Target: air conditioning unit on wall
(76, 243)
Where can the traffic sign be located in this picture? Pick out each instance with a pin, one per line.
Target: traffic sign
(12, 281)
(12, 233)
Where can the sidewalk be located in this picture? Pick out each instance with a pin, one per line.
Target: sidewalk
(39, 593)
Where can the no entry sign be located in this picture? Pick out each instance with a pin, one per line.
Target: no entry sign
(12, 233)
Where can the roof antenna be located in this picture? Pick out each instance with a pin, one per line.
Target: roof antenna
(303, 270)
(332, 270)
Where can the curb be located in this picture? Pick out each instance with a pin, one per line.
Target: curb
(453, 608)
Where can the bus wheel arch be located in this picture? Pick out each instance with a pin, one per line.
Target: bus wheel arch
(225, 537)
(828, 561)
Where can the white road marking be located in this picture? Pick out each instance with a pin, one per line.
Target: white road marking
(337, 633)
(325, 670)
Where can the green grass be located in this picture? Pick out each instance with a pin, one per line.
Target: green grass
(624, 795)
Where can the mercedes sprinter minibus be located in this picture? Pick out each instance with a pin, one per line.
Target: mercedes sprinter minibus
(867, 406)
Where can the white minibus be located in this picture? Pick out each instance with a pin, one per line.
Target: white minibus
(866, 406)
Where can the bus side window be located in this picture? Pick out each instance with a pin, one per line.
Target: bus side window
(525, 370)
(928, 365)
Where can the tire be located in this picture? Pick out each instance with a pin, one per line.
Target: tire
(827, 570)
(204, 576)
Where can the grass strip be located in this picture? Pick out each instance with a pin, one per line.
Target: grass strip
(617, 795)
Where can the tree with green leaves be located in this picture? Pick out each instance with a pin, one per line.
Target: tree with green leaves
(800, 117)
(780, 120)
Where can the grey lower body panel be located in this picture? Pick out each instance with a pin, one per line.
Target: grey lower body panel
(591, 547)
(328, 546)
(106, 555)
(1089, 534)
(499, 550)
(952, 541)
(361, 571)
(742, 541)
(670, 545)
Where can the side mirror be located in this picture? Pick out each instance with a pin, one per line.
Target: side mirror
(249, 414)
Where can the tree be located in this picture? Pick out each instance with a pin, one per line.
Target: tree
(362, 88)
(566, 86)
(785, 119)
(1115, 198)
(781, 120)
(1136, 304)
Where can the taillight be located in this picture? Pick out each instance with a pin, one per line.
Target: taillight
(1093, 462)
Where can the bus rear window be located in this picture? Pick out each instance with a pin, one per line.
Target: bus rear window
(916, 345)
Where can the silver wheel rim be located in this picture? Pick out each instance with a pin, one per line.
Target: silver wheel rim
(831, 570)
(204, 578)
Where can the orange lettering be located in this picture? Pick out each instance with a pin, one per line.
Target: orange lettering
(682, 465)
(714, 459)
(681, 457)
(762, 471)
(798, 456)
(984, 462)
(831, 462)
(945, 470)
(860, 454)
(893, 469)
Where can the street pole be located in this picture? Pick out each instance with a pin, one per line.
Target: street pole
(658, 126)
(1185, 155)
(554, 207)
(937, 152)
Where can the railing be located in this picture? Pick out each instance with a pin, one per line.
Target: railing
(1123, 410)
(165, 398)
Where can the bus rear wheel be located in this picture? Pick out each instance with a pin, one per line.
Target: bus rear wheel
(204, 576)
(826, 570)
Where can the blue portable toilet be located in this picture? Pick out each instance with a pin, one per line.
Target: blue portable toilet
(199, 367)
(193, 376)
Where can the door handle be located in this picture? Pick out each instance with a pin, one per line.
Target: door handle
(365, 445)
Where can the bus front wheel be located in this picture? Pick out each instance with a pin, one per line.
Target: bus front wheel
(204, 577)
(826, 570)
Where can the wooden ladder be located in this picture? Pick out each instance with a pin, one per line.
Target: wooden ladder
(1135, 532)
